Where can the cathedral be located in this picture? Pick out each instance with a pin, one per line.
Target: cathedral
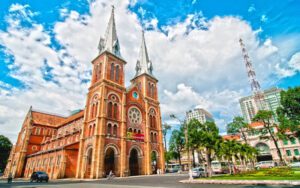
(118, 130)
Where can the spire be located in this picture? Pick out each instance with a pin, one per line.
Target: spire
(143, 64)
(110, 41)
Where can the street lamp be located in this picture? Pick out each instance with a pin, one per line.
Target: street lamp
(183, 123)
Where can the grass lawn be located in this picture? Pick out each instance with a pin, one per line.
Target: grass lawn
(263, 174)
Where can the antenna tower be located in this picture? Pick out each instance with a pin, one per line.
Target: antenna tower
(255, 87)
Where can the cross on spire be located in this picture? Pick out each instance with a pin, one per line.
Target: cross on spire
(110, 42)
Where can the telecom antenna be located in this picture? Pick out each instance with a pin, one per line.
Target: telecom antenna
(255, 86)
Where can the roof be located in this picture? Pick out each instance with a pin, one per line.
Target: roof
(47, 119)
(256, 124)
(231, 137)
(72, 118)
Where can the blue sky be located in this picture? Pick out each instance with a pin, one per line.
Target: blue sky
(46, 48)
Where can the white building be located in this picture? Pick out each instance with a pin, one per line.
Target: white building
(271, 100)
(200, 114)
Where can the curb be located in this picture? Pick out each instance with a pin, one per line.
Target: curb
(243, 182)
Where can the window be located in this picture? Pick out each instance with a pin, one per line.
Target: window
(112, 70)
(293, 140)
(109, 110)
(296, 152)
(288, 153)
(109, 129)
(37, 131)
(285, 142)
(115, 111)
(115, 130)
(117, 73)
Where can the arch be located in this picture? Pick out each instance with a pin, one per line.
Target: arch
(89, 156)
(154, 161)
(140, 152)
(114, 147)
(263, 149)
(109, 160)
(112, 96)
(117, 73)
(112, 71)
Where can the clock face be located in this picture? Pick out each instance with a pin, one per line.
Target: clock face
(135, 95)
(134, 116)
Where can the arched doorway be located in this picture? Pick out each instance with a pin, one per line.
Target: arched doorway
(88, 162)
(134, 162)
(264, 153)
(154, 162)
(109, 161)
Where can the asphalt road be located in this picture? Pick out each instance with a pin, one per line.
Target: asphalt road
(165, 181)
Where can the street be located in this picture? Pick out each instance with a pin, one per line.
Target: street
(169, 180)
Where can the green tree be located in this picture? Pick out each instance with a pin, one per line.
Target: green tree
(193, 133)
(239, 126)
(177, 143)
(267, 131)
(166, 128)
(289, 111)
(229, 150)
(209, 139)
(5, 147)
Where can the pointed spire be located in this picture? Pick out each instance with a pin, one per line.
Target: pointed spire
(110, 41)
(143, 64)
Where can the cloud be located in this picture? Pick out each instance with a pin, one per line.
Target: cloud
(292, 68)
(263, 18)
(251, 8)
(197, 61)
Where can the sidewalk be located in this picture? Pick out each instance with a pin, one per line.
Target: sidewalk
(244, 182)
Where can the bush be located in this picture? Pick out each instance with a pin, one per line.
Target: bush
(279, 172)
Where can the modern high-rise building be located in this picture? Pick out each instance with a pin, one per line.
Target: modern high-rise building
(271, 99)
(200, 114)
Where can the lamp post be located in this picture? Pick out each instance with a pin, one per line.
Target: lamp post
(183, 123)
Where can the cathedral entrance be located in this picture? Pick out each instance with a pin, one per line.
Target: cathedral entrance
(154, 162)
(109, 161)
(134, 163)
(88, 163)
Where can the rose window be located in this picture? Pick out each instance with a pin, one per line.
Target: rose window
(134, 116)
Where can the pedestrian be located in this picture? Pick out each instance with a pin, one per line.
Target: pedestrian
(110, 175)
(157, 171)
(9, 178)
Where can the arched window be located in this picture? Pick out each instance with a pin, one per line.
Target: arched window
(149, 89)
(95, 109)
(130, 130)
(150, 120)
(139, 131)
(115, 111)
(109, 110)
(151, 137)
(117, 73)
(115, 130)
(155, 137)
(112, 70)
(109, 129)
(93, 131)
(134, 130)
(90, 130)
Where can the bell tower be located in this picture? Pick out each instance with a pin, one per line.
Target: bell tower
(147, 85)
(103, 117)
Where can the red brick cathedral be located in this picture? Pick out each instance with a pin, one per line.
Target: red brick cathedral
(119, 128)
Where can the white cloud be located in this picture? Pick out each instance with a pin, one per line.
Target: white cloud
(251, 8)
(291, 68)
(198, 62)
(263, 18)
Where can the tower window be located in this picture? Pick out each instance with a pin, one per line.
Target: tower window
(109, 129)
(112, 70)
(115, 130)
(117, 73)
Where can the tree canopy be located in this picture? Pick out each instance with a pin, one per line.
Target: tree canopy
(5, 147)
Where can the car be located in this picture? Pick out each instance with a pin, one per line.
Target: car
(294, 165)
(198, 172)
(265, 164)
(39, 176)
